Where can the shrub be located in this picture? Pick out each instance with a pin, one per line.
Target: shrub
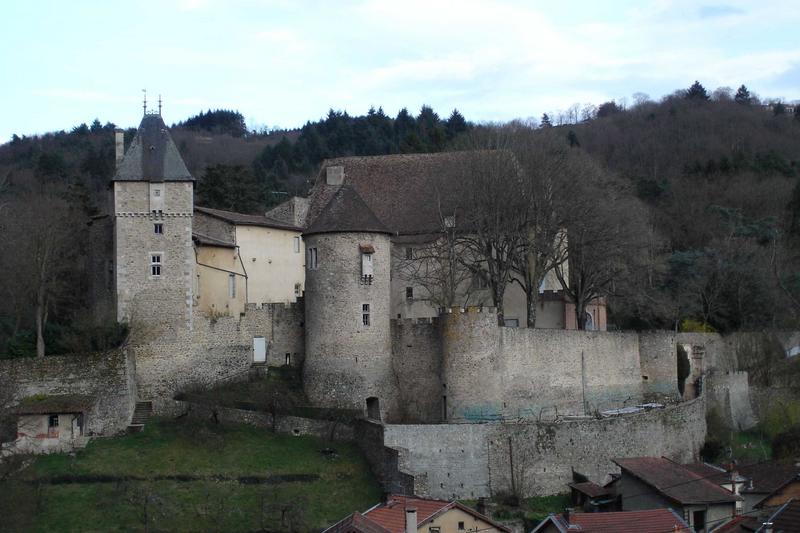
(786, 445)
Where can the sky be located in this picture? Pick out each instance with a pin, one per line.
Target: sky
(284, 62)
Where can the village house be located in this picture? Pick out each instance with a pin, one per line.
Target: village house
(653, 483)
(407, 514)
(651, 521)
(591, 497)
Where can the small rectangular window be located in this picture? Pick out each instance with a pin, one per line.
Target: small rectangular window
(157, 192)
(461, 526)
(231, 285)
(158, 229)
(297, 245)
(365, 314)
(312, 259)
(155, 264)
(409, 253)
(409, 293)
(52, 421)
(298, 290)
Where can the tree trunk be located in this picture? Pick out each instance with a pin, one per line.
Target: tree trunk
(580, 313)
(531, 302)
(41, 319)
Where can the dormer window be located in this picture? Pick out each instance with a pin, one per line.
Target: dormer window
(367, 270)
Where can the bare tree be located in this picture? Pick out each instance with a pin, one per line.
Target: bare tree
(41, 230)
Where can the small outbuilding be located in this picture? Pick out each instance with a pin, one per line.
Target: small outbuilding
(52, 423)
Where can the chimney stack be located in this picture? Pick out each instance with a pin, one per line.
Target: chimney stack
(119, 143)
(411, 520)
(567, 514)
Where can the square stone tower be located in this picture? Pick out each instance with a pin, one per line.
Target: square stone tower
(154, 259)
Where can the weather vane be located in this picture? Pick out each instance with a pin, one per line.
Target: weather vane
(144, 102)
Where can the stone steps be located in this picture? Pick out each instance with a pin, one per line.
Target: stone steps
(142, 413)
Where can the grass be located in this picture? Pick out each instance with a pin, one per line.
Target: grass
(750, 447)
(213, 500)
(531, 510)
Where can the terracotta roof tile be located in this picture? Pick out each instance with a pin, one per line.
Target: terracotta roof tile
(650, 521)
(675, 481)
(593, 490)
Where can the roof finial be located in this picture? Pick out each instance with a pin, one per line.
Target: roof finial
(144, 102)
(159, 105)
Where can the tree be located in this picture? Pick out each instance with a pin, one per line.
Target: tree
(233, 188)
(455, 125)
(607, 109)
(743, 96)
(42, 229)
(778, 108)
(546, 123)
(697, 92)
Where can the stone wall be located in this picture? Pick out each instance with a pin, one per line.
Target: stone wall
(105, 376)
(474, 460)
(493, 372)
(386, 463)
(729, 392)
(291, 425)
(213, 227)
(348, 362)
(417, 363)
(215, 351)
(657, 352)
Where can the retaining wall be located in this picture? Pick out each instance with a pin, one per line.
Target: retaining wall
(417, 363)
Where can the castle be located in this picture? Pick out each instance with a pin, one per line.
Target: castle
(320, 283)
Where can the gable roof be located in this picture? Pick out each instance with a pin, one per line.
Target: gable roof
(674, 481)
(769, 476)
(400, 189)
(391, 516)
(346, 212)
(54, 404)
(240, 219)
(650, 521)
(590, 489)
(152, 155)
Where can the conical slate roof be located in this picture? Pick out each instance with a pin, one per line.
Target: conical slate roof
(152, 156)
(346, 212)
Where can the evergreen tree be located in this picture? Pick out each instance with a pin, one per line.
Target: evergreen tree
(546, 121)
(697, 92)
(455, 124)
(572, 139)
(743, 96)
(233, 188)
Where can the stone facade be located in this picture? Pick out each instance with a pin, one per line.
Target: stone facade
(107, 377)
(162, 302)
(474, 460)
(347, 360)
(730, 393)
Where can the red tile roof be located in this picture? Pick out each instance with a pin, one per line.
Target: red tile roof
(592, 490)
(674, 481)
(651, 521)
(390, 517)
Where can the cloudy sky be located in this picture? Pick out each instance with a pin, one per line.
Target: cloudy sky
(282, 62)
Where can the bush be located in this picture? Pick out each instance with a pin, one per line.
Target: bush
(786, 445)
(781, 416)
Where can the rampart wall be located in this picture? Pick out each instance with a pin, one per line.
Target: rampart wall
(730, 393)
(473, 460)
(492, 373)
(657, 353)
(215, 351)
(417, 363)
(108, 377)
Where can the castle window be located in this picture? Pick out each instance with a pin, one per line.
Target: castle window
(298, 290)
(409, 253)
(365, 314)
(157, 192)
(158, 228)
(312, 259)
(409, 293)
(155, 264)
(231, 285)
(296, 245)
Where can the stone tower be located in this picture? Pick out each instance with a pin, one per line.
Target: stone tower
(153, 206)
(348, 339)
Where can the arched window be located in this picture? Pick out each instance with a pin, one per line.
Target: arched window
(589, 322)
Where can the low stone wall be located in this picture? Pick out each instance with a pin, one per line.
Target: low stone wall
(105, 376)
(474, 460)
(291, 425)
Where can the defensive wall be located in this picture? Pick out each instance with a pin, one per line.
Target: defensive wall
(216, 350)
(729, 392)
(108, 377)
(474, 460)
(417, 364)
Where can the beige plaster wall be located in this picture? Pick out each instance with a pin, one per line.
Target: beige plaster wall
(448, 523)
(212, 294)
(273, 267)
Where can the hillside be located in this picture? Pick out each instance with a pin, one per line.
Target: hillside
(190, 476)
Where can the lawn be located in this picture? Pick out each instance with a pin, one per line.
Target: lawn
(191, 476)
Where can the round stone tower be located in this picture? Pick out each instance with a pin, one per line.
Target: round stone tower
(348, 360)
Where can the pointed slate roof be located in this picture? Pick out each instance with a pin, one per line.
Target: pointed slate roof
(152, 156)
(346, 212)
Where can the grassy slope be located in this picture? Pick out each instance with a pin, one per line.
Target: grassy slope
(167, 448)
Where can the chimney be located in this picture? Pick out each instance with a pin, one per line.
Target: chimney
(411, 520)
(334, 175)
(119, 143)
(567, 514)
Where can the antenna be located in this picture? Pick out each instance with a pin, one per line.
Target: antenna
(144, 101)
(159, 105)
